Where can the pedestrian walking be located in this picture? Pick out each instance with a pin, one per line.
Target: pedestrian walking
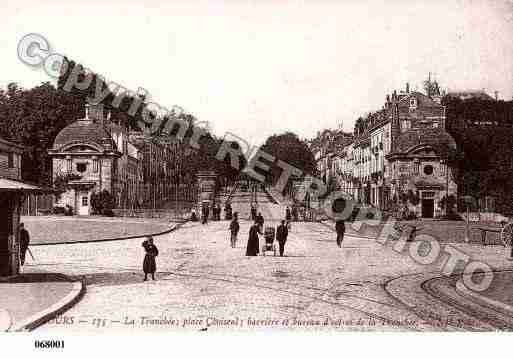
(281, 236)
(149, 264)
(260, 220)
(205, 213)
(288, 218)
(24, 242)
(219, 212)
(340, 228)
(253, 212)
(252, 249)
(234, 230)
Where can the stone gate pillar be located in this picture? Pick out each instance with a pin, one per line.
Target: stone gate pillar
(206, 190)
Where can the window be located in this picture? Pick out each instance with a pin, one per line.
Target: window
(81, 167)
(428, 194)
(428, 170)
(85, 201)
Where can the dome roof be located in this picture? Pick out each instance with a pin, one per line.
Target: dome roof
(84, 131)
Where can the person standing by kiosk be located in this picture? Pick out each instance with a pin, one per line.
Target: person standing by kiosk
(24, 243)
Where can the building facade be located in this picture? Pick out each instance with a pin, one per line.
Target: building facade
(397, 158)
(92, 155)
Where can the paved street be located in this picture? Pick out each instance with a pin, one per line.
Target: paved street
(202, 282)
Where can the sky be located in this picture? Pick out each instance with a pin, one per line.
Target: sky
(257, 68)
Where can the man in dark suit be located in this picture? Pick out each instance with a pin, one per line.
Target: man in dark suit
(205, 210)
(260, 220)
(281, 236)
(234, 230)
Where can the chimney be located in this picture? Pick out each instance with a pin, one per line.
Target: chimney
(407, 87)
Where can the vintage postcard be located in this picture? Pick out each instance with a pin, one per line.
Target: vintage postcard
(246, 166)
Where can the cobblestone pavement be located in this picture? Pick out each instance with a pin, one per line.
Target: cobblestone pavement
(202, 282)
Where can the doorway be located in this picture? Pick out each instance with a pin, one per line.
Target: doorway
(428, 207)
(83, 203)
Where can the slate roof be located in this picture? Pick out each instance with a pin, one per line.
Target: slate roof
(436, 137)
(84, 131)
(422, 100)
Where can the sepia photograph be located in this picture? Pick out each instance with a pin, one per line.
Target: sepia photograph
(255, 169)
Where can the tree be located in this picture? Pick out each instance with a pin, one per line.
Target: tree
(103, 203)
(289, 148)
(482, 164)
(33, 118)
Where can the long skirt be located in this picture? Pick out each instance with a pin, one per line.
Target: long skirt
(252, 248)
(340, 238)
(149, 265)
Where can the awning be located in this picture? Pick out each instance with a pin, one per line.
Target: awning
(9, 185)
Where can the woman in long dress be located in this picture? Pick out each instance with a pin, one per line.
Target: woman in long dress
(149, 265)
(253, 243)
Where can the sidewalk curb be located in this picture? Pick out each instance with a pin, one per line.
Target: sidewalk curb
(167, 231)
(38, 319)
(463, 290)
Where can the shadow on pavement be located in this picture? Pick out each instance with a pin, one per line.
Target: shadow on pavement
(35, 278)
(123, 278)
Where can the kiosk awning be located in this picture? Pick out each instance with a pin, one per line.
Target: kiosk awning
(9, 185)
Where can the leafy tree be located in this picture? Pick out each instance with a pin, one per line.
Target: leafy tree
(483, 131)
(289, 148)
(33, 118)
(103, 203)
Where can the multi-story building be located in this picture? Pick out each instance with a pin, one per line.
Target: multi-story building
(326, 148)
(398, 154)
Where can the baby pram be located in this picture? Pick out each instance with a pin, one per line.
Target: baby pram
(269, 245)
